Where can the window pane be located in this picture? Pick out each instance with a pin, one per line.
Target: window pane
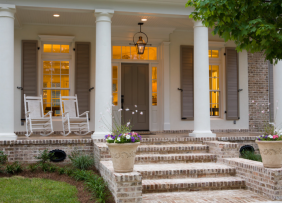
(210, 71)
(115, 72)
(126, 52)
(55, 80)
(46, 101)
(65, 48)
(145, 56)
(46, 81)
(214, 97)
(154, 72)
(116, 52)
(209, 53)
(115, 85)
(56, 48)
(215, 53)
(154, 86)
(152, 53)
(47, 48)
(154, 99)
(65, 66)
(56, 102)
(56, 67)
(214, 110)
(65, 92)
(65, 81)
(47, 65)
(115, 99)
(134, 54)
(215, 71)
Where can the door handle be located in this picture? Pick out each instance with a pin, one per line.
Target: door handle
(91, 89)
(122, 100)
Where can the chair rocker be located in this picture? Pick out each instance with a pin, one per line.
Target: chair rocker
(71, 119)
(35, 118)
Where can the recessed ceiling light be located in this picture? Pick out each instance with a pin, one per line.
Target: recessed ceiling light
(56, 15)
(143, 19)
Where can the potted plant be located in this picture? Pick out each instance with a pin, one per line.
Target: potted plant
(270, 147)
(123, 150)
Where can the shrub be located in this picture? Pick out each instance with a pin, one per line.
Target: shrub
(44, 156)
(47, 167)
(3, 158)
(32, 167)
(81, 161)
(14, 168)
(251, 156)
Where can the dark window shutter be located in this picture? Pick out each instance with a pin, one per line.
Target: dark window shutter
(29, 71)
(187, 82)
(82, 75)
(270, 90)
(232, 84)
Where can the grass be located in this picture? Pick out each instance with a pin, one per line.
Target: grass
(18, 189)
(251, 156)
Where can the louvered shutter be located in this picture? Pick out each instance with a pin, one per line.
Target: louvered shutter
(270, 90)
(82, 75)
(187, 82)
(232, 84)
(29, 71)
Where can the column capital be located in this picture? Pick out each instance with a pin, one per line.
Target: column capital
(198, 23)
(7, 10)
(103, 15)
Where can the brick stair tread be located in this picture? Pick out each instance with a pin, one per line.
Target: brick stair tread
(219, 196)
(165, 147)
(167, 156)
(193, 167)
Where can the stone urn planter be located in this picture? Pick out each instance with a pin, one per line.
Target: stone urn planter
(123, 156)
(271, 153)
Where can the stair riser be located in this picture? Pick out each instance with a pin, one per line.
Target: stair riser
(165, 143)
(153, 151)
(192, 188)
(174, 161)
(146, 176)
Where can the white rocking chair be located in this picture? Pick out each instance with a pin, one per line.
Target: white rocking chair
(71, 119)
(35, 118)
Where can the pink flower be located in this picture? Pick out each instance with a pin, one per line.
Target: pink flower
(275, 136)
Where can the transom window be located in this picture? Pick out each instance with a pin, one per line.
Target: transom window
(55, 82)
(214, 90)
(56, 48)
(129, 52)
(213, 54)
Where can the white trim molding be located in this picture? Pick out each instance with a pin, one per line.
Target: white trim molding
(56, 38)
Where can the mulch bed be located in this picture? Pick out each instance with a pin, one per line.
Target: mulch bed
(84, 196)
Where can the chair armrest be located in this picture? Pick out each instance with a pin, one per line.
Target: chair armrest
(86, 112)
(48, 114)
(64, 114)
(27, 113)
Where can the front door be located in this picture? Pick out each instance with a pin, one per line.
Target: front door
(135, 95)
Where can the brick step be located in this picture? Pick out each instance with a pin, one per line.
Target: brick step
(182, 170)
(172, 149)
(219, 196)
(176, 140)
(174, 158)
(192, 184)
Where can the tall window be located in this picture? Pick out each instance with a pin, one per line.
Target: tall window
(214, 90)
(115, 85)
(55, 82)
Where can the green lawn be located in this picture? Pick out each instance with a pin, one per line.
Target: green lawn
(19, 189)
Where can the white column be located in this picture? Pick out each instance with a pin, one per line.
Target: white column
(277, 75)
(202, 126)
(103, 74)
(7, 72)
(166, 82)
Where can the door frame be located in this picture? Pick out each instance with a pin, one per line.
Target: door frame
(154, 111)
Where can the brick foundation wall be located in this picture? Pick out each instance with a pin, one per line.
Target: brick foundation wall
(223, 149)
(258, 91)
(25, 150)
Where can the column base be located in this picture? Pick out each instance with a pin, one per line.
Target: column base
(99, 135)
(202, 134)
(166, 126)
(8, 136)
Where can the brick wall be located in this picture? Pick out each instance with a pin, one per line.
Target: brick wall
(25, 150)
(258, 91)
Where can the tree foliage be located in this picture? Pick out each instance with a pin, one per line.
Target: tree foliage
(254, 25)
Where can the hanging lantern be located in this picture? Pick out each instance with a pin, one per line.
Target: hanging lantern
(140, 44)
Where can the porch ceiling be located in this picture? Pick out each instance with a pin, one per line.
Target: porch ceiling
(72, 17)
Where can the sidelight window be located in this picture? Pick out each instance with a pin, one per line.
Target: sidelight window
(154, 87)
(115, 85)
(214, 90)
